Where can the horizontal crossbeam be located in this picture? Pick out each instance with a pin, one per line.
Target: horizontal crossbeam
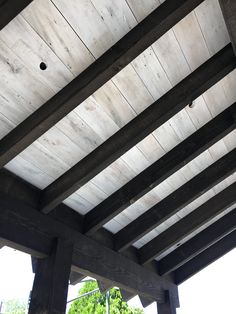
(33, 232)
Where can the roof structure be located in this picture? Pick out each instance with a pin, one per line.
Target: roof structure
(118, 142)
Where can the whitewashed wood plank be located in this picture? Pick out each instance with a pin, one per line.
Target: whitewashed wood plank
(50, 24)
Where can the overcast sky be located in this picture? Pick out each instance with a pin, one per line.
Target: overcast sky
(212, 291)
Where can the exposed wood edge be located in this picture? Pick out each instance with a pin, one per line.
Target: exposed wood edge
(36, 232)
(75, 278)
(9, 9)
(102, 70)
(150, 119)
(145, 301)
(104, 286)
(228, 8)
(175, 201)
(205, 258)
(126, 295)
(198, 243)
(184, 227)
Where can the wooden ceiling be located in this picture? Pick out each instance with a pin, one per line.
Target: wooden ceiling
(125, 112)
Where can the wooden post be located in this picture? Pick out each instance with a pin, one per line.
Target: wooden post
(49, 294)
(169, 307)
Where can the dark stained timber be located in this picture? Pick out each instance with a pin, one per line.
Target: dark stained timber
(199, 243)
(170, 205)
(188, 224)
(96, 75)
(49, 293)
(168, 307)
(158, 172)
(10, 9)
(136, 130)
(205, 258)
(34, 232)
(75, 278)
(229, 12)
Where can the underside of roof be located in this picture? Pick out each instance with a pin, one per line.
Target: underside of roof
(125, 112)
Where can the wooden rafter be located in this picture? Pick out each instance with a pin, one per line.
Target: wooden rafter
(159, 171)
(102, 70)
(228, 8)
(188, 224)
(170, 205)
(10, 9)
(136, 130)
(199, 243)
(205, 258)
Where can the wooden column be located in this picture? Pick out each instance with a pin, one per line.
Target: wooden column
(169, 307)
(49, 294)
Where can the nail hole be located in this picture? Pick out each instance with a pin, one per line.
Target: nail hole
(192, 104)
(43, 66)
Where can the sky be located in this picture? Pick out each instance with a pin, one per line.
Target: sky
(211, 291)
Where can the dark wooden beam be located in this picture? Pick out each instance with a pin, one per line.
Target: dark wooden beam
(205, 258)
(75, 278)
(33, 231)
(14, 186)
(199, 243)
(126, 295)
(170, 205)
(136, 130)
(188, 224)
(102, 70)
(9, 9)
(168, 307)
(228, 8)
(49, 293)
(104, 286)
(145, 301)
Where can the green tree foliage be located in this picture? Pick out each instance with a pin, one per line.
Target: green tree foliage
(14, 306)
(96, 303)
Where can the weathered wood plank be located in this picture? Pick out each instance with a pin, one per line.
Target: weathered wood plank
(228, 8)
(103, 69)
(10, 9)
(34, 231)
(199, 243)
(205, 258)
(170, 205)
(188, 224)
(50, 287)
(159, 171)
(150, 119)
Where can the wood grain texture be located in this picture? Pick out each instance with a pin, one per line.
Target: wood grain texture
(198, 243)
(50, 287)
(188, 224)
(160, 170)
(104, 68)
(155, 115)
